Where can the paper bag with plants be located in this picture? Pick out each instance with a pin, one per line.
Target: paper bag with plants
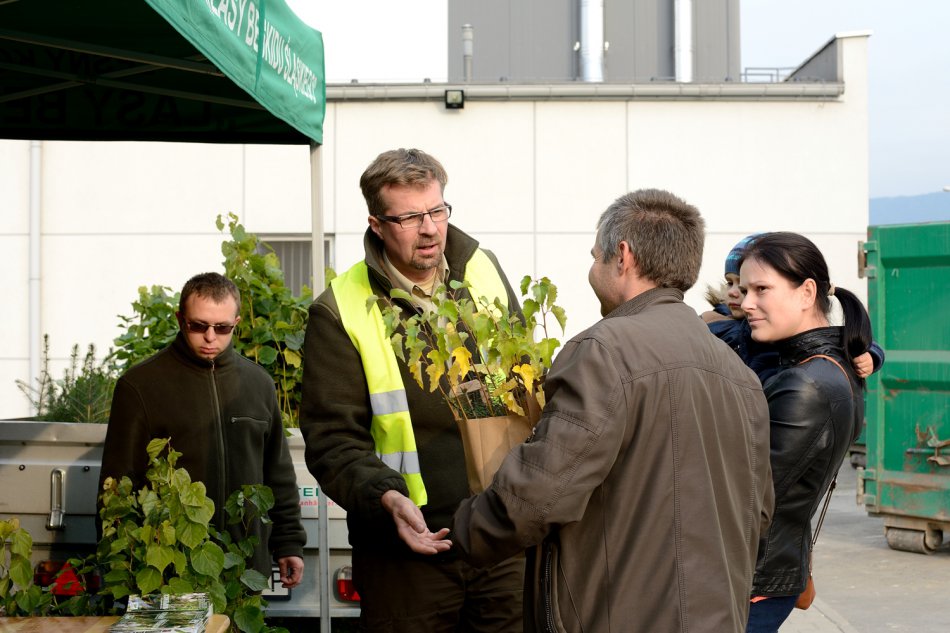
(487, 360)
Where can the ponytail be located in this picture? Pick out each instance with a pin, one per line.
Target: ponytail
(857, 325)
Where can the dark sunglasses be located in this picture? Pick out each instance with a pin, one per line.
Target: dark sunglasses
(197, 327)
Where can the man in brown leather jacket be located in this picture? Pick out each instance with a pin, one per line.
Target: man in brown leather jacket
(642, 492)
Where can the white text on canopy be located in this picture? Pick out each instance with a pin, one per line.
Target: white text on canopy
(244, 20)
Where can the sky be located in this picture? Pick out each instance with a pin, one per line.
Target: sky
(909, 64)
(908, 68)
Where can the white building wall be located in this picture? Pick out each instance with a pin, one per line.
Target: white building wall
(527, 178)
(14, 273)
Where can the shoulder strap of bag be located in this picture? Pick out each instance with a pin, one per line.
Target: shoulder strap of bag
(834, 482)
(835, 363)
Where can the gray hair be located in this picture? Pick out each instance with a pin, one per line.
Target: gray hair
(664, 233)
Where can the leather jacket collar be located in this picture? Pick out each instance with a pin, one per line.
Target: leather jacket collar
(823, 340)
(645, 298)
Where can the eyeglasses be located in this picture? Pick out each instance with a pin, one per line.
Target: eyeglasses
(197, 327)
(415, 220)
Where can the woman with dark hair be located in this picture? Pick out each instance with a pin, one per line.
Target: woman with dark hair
(727, 321)
(815, 404)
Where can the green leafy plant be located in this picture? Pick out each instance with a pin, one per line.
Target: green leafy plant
(156, 539)
(160, 538)
(273, 320)
(151, 328)
(482, 357)
(18, 594)
(270, 332)
(83, 394)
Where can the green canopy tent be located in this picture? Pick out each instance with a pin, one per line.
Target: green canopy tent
(210, 71)
(202, 71)
(207, 71)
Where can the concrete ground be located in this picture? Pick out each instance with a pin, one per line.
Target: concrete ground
(866, 587)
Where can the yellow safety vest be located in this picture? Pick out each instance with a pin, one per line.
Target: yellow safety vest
(391, 425)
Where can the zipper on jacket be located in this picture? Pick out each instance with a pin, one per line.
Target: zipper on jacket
(219, 434)
(547, 588)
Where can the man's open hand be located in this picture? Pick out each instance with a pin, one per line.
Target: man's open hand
(412, 527)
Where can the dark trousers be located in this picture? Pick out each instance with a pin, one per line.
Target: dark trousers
(402, 594)
(765, 616)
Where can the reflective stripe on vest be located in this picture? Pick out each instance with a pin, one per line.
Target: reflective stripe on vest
(391, 425)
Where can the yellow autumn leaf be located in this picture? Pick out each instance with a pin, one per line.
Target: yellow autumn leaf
(503, 386)
(462, 358)
(435, 371)
(453, 377)
(509, 399)
(416, 370)
(293, 358)
(526, 372)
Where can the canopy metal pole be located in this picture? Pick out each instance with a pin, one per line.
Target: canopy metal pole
(316, 249)
(316, 219)
(323, 572)
(36, 261)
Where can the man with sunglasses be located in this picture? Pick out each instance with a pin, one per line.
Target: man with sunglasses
(385, 450)
(220, 411)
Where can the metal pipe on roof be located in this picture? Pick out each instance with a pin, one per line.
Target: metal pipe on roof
(592, 40)
(683, 40)
(468, 50)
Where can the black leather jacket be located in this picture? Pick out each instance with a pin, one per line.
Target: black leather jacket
(816, 413)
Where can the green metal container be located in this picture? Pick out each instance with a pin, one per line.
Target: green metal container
(907, 476)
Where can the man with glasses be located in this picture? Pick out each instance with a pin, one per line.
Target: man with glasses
(220, 411)
(385, 450)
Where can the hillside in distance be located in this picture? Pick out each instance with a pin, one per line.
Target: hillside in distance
(928, 207)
